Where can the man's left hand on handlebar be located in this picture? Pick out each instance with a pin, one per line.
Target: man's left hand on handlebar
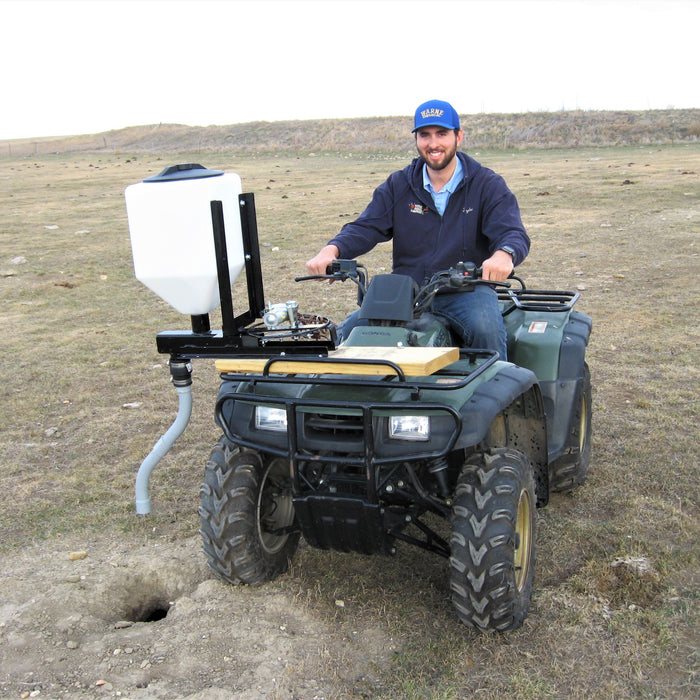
(498, 267)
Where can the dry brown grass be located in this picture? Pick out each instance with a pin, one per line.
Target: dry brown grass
(622, 224)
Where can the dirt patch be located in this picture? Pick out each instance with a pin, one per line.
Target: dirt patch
(150, 621)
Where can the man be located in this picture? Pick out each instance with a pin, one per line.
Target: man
(441, 209)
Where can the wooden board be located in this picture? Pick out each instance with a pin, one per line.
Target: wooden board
(414, 362)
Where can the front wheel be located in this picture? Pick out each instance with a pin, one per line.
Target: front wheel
(248, 526)
(492, 558)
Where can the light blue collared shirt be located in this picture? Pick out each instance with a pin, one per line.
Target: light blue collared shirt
(442, 197)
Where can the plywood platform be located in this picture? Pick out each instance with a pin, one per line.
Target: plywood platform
(413, 362)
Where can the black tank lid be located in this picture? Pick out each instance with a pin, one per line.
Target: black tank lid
(183, 171)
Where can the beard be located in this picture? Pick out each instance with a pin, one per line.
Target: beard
(446, 157)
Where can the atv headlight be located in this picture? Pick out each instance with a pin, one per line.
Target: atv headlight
(409, 428)
(269, 418)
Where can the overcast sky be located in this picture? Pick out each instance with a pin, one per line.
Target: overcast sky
(93, 65)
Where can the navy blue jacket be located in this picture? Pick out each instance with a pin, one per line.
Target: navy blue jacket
(482, 215)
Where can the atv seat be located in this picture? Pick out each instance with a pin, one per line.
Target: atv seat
(389, 298)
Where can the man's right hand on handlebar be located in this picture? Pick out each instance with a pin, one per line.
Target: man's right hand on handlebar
(498, 267)
(322, 261)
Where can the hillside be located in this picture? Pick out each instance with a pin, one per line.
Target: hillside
(388, 135)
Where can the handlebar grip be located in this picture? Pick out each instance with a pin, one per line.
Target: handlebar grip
(305, 278)
(479, 271)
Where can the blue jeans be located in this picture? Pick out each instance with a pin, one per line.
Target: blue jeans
(475, 317)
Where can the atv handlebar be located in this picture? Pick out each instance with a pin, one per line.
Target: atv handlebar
(463, 276)
(341, 270)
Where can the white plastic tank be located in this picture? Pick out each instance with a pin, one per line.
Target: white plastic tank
(172, 238)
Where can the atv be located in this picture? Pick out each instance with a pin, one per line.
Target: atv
(356, 453)
(393, 435)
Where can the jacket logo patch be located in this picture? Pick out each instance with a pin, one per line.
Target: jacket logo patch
(417, 208)
(467, 211)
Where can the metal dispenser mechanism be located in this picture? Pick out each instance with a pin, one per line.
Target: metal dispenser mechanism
(193, 231)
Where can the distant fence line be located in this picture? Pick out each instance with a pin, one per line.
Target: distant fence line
(16, 148)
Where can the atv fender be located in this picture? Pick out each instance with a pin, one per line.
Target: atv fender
(559, 395)
(508, 411)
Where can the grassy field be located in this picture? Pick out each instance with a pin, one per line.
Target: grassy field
(86, 396)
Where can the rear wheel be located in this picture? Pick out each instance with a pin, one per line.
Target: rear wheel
(492, 558)
(247, 515)
(571, 473)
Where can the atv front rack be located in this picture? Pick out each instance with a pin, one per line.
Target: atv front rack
(478, 362)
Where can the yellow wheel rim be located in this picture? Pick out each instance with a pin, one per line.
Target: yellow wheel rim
(523, 540)
(583, 429)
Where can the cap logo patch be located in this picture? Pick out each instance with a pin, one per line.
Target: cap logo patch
(435, 113)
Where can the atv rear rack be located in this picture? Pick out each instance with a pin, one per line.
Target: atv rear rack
(537, 300)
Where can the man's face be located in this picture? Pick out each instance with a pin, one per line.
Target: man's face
(438, 145)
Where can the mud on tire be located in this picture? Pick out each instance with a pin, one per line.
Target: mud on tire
(493, 540)
(247, 515)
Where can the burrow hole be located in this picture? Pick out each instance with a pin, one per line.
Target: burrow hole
(150, 611)
(141, 598)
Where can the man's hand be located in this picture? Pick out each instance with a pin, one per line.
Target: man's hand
(497, 268)
(318, 264)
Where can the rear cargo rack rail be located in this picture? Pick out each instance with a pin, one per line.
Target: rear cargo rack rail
(538, 300)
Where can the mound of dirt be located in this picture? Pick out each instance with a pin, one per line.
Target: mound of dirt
(150, 621)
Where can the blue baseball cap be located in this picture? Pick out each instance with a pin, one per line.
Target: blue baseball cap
(436, 113)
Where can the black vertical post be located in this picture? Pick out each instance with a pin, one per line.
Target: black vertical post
(251, 248)
(217, 220)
